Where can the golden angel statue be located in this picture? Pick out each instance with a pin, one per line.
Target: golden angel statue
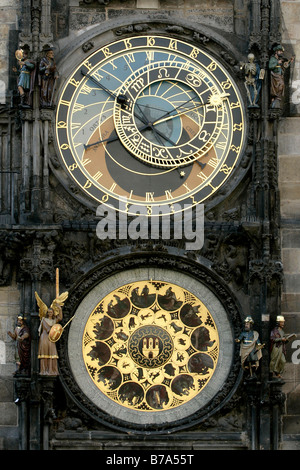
(49, 332)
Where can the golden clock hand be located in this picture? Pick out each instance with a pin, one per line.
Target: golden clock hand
(214, 100)
(175, 109)
(178, 114)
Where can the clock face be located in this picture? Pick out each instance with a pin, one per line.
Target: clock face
(150, 346)
(152, 121)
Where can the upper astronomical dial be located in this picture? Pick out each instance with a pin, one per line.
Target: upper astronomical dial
(151, 119)
(160, 129)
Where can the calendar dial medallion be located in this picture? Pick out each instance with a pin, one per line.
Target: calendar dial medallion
(151, 120)
(150, 346)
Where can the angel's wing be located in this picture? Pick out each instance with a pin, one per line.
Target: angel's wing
(59, 302)
(43, 309)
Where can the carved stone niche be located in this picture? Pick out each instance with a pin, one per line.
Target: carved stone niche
(118, 277)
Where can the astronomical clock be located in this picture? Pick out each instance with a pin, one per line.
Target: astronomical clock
(150, 119)
(157, 122)
(139, 163)
(152, 353)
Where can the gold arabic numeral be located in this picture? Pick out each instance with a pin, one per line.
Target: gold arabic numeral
(212, 66)
(173, 44)
(150, 41)
(193, 199)
(73, 166)
(149, 210)
(226, 84)
(127, 43)
(87, 184)
(107, 52)
(194, 53)
(150, 196)
(105, 197)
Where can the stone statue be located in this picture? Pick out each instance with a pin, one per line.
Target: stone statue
(250, 348)
(47, 78)
(21, 335)
(253, 80)
(278, 340)
(278, 66)
(26, 77)
(50, 317)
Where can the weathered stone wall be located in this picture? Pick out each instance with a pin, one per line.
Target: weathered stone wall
(9, 308)
(289, 185)
(9, 295)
